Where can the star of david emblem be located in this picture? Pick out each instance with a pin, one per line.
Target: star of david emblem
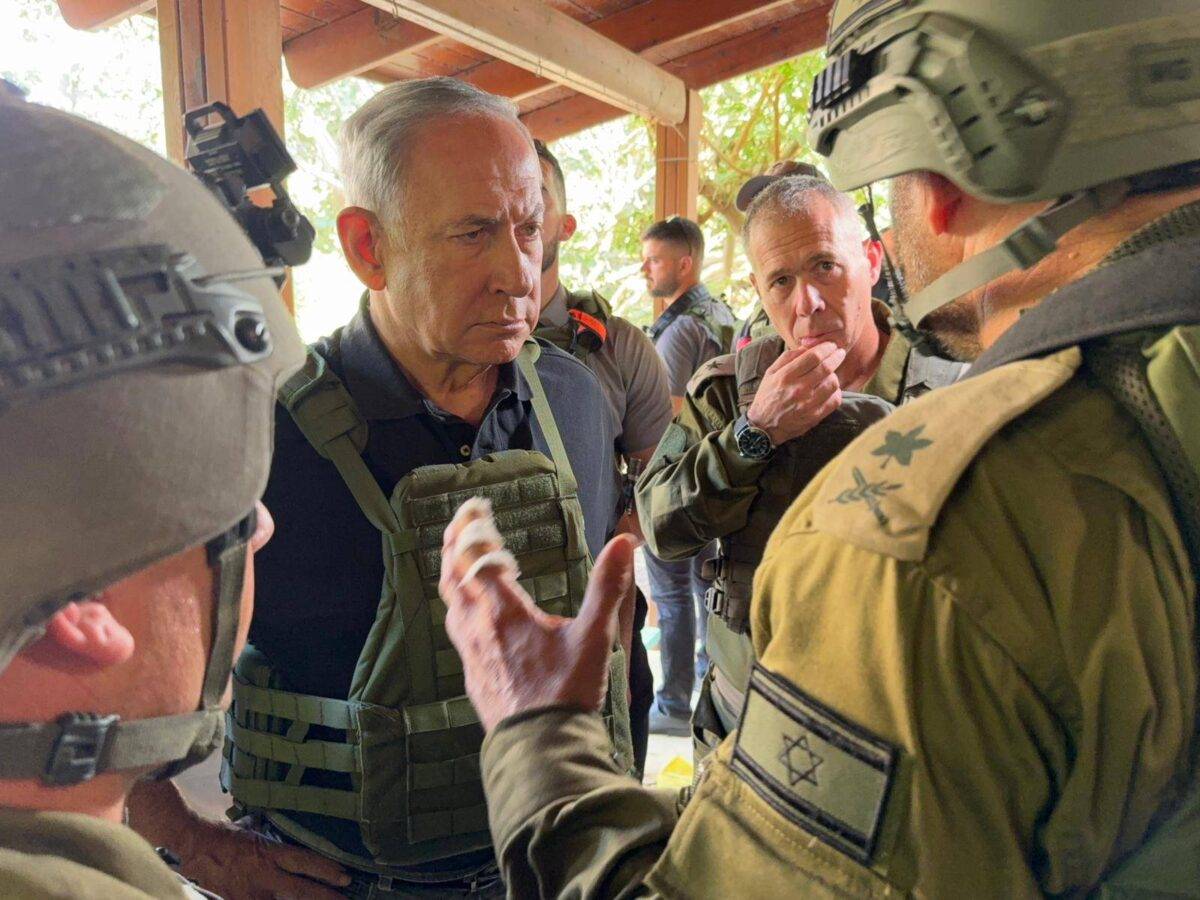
(799, 760)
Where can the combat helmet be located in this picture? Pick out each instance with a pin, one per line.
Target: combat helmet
(141, 342)
(1080, 104)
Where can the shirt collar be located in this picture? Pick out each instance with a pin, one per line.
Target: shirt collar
(380, 388)
(555, 314)
(889, 377)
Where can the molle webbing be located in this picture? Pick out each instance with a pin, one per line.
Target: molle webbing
(400, 756)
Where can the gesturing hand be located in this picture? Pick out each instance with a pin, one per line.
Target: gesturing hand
(515, 656)
(798, 390)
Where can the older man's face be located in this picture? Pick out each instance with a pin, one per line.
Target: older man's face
(813, 273)
(464, 271)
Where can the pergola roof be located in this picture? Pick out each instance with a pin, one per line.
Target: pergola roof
(702, 42)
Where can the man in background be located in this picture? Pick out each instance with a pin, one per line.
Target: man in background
(693, 328)
(634, 382)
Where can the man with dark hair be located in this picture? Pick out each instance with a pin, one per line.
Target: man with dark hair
(634, 382)
(693, 328)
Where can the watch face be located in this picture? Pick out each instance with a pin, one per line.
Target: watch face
(753, 442)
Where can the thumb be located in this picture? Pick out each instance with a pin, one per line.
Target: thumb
(607, 588)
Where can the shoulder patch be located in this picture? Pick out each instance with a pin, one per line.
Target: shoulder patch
(820, 771)
(884, 492)
(717, 367)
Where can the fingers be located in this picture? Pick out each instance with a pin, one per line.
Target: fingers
(826, 357)
(607, 588)
(300, 861)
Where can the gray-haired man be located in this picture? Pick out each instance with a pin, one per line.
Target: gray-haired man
(350, 732)
(757, 425)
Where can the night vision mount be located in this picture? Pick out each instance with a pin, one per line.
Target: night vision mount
(237, 155)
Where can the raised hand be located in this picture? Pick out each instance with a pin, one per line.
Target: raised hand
(798, 391)
(516, 657)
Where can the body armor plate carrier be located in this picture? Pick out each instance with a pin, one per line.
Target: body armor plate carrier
(404, 746)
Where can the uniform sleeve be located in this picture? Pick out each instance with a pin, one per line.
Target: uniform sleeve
(697, 487)
(564, 821)
(684, 347)
(648, 399)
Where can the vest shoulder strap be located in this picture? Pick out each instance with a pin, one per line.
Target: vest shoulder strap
(545, 416)
(326, 414)
(891, 509)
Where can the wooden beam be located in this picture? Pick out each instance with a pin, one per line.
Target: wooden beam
(645, 26)
(225, 50)
(753, 50)
(530, 34)
(677, 169)
(92, 15)
(349, 46)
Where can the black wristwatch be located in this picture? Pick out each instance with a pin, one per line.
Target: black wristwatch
(752, 442)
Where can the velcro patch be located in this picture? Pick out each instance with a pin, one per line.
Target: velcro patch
(819, 771)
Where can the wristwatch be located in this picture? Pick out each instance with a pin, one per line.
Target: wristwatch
(752, 441)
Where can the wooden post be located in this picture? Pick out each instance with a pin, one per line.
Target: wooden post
(677, 168)
(227, 50)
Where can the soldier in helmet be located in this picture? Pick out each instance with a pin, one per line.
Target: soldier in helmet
(141, 344)
(976, 629)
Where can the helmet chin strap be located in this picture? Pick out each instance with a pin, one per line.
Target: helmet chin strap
(1032, 241)
(76, 747)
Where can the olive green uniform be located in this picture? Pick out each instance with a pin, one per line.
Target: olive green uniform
(977, 677)
(70, 855)
(699, 487)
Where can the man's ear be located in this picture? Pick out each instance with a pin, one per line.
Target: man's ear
(86, 631)
(361, 236)
(942, 202)
(686, 265)
(874, 251)
(754, 284)
(567, 228)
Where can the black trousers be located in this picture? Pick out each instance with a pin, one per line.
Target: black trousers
(641, 687)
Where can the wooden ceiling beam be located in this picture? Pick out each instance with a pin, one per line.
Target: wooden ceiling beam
(745, 53)
(537, 37)
(639, 28)
(92, 15)
(352, 45)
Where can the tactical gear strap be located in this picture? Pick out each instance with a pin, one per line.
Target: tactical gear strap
(77, 747)
(1028, 245)
(327, 415)
(545, 420)
(1153, 289)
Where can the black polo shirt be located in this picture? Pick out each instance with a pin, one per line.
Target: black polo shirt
(319, 579)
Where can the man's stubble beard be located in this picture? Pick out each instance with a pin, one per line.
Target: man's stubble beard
(953, 329)
(549, 255)
(666, 289)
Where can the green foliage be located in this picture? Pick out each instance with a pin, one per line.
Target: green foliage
(750, 122)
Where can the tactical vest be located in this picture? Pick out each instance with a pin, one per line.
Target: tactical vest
(398, 760)
(586, 328)
(711, 312)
